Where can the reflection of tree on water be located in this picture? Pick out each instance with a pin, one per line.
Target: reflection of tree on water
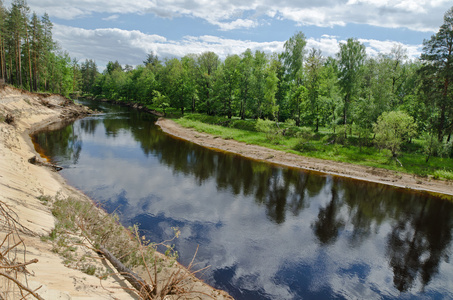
(418, 243)
(63, 144)
(328, 225)
(420, 233)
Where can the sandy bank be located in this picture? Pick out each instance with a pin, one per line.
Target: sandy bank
(22, 186)
(312, 164)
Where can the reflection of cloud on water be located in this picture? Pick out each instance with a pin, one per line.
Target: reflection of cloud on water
(246, 240)
(236, 234)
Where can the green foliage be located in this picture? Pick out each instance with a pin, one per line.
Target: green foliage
(392, 129)
(351, 58)
(326, 145)
(269, 128)
(443, 174)
(160, 101)
(248, 125)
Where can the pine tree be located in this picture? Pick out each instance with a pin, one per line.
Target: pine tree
(36, 49)
(3, 16)
(437, 74)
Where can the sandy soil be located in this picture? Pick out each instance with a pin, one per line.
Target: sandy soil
(21, 186)
(312, 164)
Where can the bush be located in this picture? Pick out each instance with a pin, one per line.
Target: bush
(305, 146)
(392, 129)
(269, 128)
(443, 174)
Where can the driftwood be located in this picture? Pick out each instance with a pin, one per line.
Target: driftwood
(145, 290)
(9, 119)
(35, 161)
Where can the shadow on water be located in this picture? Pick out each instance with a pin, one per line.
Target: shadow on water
(267, 232)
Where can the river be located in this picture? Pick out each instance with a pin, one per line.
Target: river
(266, 232)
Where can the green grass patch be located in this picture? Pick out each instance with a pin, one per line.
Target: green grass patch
(323, 144)
(443, 174)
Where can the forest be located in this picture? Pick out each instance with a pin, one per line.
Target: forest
(388, 101)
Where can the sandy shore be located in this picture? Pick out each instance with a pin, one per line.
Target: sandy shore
(23, 184)
(312, 164)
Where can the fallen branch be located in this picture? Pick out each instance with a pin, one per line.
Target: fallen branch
(35, 161)
(23, 287)
(33, 261)
(144, 289)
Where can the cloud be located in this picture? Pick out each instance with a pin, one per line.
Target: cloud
(418, 15)
(131, 47)
(111, 18)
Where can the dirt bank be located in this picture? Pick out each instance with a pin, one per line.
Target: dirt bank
(292, 160)
(22, 187)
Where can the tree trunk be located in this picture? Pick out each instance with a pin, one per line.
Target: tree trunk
(2, 59)
(146, 291)
(29, 56)
(19, 63)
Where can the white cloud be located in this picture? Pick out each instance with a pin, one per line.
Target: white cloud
(111, 18)
(419, 15)
(131, 47)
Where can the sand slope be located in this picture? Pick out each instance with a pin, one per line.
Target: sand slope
(21, 185)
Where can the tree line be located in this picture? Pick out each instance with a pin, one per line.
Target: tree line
(29, 58)
(350, 91)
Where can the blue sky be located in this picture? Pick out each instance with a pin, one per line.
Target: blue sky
(109, 30)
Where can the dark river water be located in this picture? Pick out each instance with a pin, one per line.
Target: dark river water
(266, 232)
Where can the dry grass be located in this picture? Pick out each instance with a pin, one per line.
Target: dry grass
(125, 249)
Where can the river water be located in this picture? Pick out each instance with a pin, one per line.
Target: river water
(267, 232)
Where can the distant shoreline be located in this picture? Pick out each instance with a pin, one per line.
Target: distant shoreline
(443, 189)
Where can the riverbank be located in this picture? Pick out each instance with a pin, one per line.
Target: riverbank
(377, 175)
(26, 220)
(21, 187)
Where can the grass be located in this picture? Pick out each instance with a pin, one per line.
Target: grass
(443, 174)
(81, 228)
(306, 142)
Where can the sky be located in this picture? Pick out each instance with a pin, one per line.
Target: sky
(110, 30)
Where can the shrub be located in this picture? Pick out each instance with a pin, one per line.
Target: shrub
(443, 174)
(269, 128)
(392, 129)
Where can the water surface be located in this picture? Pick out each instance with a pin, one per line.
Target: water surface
(266, 232)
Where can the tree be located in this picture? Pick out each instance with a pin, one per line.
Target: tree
(151, 59)
(36, 48)
(392, 129)
(298, 98)
(351, 58)
(314, 65)
(258, 84)
(161, 101)
(246, 79)
(3, 17)
(271, 89)
(228, 83)
(207, 64)
(177, 89)
(48, 46)
(113, 66)
(16, 26)
(89, 72)
(293, 57)
(329, 93)
(437, 73)
(144, 84)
